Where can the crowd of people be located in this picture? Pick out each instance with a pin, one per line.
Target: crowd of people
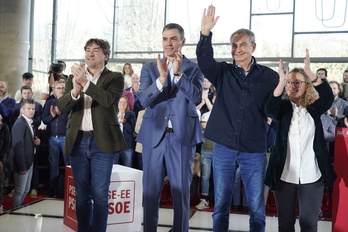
(262, 129)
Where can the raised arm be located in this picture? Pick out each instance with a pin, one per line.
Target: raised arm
(307, 68)
(208, 20)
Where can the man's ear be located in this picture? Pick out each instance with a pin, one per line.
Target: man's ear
(254, 47)
(183, 41)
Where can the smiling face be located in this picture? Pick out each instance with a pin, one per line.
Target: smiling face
(94, 56)
(242, 49)
(296, 86)
(171, 42)
(123, 105)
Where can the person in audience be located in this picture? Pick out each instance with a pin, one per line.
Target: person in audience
(24, 141)
(61, 79)
(169, 90)
(5, 141)
(344, 85)
(205, 157)
(6, 104)
(6, 107)
(127, 73)
(207, 96)
(322, 73)
(56, 129)
(343, 122)
(329, 129)
(130, 99)
(126, 120)
(138, 146)
(134, 89)
(56, 73)
(27, 93)
(299, 165)
(237, 121)
(93, 134)
(338, 105)
(27, 79)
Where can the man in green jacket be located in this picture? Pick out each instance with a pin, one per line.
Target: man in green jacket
(93, 134)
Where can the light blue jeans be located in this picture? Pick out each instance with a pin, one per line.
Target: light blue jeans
(91, 171)
(22, 186)
(206, 160)
(252, 169)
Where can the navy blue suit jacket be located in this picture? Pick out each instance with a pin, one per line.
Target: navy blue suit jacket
(6, 108)
(176, 103)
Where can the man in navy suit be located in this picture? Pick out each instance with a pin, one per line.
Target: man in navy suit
(170, 130)
(6, 104)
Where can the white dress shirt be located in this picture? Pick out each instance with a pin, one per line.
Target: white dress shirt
(86, 124)
(301, 166)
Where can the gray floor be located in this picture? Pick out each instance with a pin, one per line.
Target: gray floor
(47, 215)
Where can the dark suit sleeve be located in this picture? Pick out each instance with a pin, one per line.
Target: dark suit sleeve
(37, 117)
(5, 141)
(47, 116)
(148, 91)
(18, 134)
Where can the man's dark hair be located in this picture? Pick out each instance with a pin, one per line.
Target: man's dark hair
(27, 76)
(103, 44)
(27, 101)
(62, 63)
(322, 69)
(171, 26)
(26, 87)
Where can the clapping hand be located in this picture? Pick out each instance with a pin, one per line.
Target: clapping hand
(162, 69)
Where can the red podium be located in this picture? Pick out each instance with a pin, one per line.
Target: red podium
(125, 199)
(340, 189)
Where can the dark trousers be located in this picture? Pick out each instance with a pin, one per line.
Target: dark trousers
(309, 197)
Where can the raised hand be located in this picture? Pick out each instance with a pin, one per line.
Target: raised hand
(308, 71)
(282, 79)
(208, 20)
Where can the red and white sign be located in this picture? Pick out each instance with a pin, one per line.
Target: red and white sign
(125, 199)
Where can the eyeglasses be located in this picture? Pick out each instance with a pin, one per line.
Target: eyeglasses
(60, 88)
(297, 84)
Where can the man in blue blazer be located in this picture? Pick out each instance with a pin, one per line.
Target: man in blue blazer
(6, 104)
(169, 89)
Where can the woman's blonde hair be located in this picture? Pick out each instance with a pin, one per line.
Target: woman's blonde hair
(311, 94)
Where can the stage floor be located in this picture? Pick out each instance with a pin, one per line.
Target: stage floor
(47, 215)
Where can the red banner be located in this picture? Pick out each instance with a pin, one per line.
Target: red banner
(340, 190)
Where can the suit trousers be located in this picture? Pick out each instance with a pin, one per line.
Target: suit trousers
(176, 160)
(22, 186)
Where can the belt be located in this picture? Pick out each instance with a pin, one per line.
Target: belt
(87, 133)
(169, 130)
